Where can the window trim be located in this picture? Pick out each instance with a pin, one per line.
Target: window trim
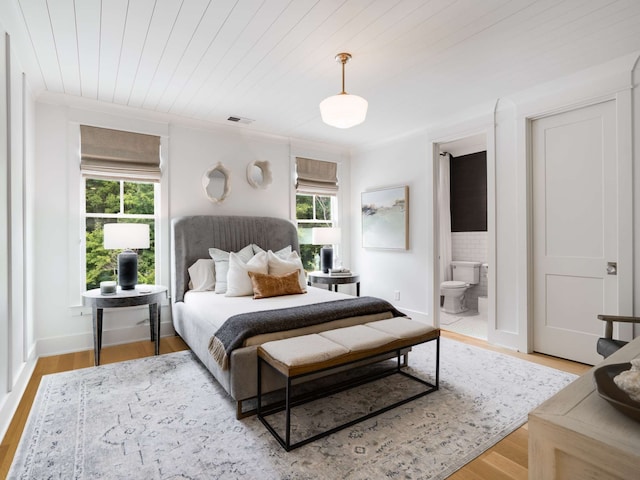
(75, 200)
(84, 215)
(341, 196)
(332, 222)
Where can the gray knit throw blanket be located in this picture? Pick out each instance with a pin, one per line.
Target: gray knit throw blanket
(238, 328)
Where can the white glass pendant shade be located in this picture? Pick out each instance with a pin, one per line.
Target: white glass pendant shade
(343, 110)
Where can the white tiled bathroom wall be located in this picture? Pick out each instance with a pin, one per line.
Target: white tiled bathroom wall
(469, 246)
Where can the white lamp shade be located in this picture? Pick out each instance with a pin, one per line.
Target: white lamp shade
(126, 235)
(343, 110)
(325, 235)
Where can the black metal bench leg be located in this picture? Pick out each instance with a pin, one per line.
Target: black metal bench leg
(259, 406)
(290, 402)
(288, 413)
(438, 362)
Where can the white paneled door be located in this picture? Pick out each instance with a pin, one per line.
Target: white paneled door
(575, 229)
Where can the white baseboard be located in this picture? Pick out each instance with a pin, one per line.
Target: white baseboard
(84, 341)
(415, 315)
(10, 402)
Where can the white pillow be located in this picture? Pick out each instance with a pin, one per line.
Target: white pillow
(282, 266)
(221, 259)
(282, 253)
(202, 275)
(238, 280)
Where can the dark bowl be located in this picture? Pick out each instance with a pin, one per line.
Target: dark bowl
(608, 390)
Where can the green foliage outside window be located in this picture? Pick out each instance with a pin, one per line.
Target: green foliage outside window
(138, 198)
(104, 201)
(311, 211)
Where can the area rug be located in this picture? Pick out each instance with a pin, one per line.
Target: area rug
(165, 417)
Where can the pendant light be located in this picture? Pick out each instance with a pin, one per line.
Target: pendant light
(343, 110)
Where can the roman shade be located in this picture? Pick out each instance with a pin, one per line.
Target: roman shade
(106, 153)
(316, 177)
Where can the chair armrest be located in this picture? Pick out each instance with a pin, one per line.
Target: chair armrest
(617, 318)
(608, 329)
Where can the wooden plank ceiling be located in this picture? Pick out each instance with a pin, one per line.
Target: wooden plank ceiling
(272, 61)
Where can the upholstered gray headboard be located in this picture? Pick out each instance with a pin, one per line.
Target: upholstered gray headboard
(193, 236)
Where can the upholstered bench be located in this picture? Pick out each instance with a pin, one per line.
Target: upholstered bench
(308, 355)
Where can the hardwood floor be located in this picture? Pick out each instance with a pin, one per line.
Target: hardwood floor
(508, 459)
(505, 460)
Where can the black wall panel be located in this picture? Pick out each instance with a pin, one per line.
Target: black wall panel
(468, 190)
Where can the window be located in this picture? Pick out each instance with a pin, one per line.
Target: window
(316, 204)
(121, 175)
(312, 211)
(109, 201)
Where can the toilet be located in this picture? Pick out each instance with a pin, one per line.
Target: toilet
(464, 275)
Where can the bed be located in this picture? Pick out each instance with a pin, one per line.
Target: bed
(198, 315)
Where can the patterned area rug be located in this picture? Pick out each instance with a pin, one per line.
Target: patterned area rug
(165, 417)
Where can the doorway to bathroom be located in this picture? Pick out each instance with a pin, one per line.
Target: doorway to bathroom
(463, 237)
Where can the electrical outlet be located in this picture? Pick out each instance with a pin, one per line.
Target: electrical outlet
(396, 295)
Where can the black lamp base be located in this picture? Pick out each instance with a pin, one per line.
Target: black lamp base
(326, 258)
(128, 270)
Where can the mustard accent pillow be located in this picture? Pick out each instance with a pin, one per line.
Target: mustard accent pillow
(265, 286)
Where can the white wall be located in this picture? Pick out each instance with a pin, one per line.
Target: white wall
(404, 161)
(383, 272)
(17, 355)
(189, 150)
(192, 151)
(510, 300)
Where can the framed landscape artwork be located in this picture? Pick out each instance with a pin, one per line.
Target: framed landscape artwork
(385, 218)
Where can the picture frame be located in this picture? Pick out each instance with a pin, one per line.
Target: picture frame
(385, 218)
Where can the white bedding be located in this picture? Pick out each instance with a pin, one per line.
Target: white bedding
(201, 314)
(215, 308)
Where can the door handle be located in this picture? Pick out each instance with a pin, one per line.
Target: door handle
(612, 268)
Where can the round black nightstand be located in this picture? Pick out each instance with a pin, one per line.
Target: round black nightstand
(334, 280)
(150, 295)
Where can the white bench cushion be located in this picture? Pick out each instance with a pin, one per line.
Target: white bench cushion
(358, 337)
(303, 350)
(401, 327)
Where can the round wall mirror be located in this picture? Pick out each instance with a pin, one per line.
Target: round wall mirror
(216, 183)
(259, 174)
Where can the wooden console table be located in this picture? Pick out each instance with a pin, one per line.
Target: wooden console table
(578, 434)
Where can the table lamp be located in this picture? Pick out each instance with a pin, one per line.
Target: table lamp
(327, 236)
(126, 236)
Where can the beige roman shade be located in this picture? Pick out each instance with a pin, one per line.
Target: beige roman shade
(106, 153)
(316, 176)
